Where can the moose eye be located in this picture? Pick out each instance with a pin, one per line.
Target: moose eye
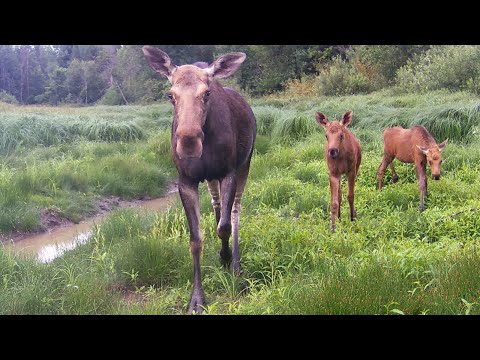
(341, 136)
(170, 96)
(207, 94)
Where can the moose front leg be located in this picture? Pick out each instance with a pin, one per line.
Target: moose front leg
(334, 206)
(189, 196)
(351, 195)
(242, 175)
(228, 186)
(422, 185)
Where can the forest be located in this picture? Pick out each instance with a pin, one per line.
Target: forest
(118, 74)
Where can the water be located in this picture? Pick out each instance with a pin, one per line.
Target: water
(52, 244)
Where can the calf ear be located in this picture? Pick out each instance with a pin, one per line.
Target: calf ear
(423, 149)
(226, 65)
(442, 145)
(321, 119)
(346, 118)
(159, 61)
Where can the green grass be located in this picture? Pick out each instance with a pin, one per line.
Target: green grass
(68, 158)
(392, 260)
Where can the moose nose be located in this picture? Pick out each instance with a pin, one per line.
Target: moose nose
(190, 146)
(333, 153)
(436, 177)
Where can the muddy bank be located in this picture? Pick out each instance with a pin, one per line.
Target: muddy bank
(59, 235)
(51, 220)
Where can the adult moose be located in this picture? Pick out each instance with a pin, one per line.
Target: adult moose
(213, 133)
(343, 154)
(414, 145)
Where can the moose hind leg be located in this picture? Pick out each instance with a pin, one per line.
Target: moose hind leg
(394, 174)
(214, 189)
(224, 228)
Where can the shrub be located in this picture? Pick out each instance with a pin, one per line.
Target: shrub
(342, 78)
(452, 67)
(7, 98)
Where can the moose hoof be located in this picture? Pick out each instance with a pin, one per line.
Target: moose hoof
(394, 179)
(236, 268)
(333, 228)
(421, 208)
(225, 256)
(197, 302)
(354, 215)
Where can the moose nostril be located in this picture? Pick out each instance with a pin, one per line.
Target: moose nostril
(333, 153)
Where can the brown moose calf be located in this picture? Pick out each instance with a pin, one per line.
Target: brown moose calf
(414, 145)
(343, 154)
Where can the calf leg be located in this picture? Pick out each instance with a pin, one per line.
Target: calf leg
(350, 195)
(422, 184)
(189, 196)
(394, 174)
(339, 196)
(334, 185)
(228, 186)
(387, 159)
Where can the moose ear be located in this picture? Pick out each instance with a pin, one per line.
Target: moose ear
(159, 61)
(423, 149)
(346, 118)
(226, 65)
(321, 119)
(442, 145)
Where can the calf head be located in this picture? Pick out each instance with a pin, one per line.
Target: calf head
(434, 157)
(191, 94)
(335, 132)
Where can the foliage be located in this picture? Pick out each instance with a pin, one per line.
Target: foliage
(341, 78)
(453, 67)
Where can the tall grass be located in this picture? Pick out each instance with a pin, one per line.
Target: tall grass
(453, 116)
(66, 159)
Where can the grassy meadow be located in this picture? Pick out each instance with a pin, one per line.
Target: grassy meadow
(392, 260)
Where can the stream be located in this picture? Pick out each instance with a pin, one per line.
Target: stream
(54, 243)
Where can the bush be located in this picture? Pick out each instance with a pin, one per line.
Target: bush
(7, 98)
(451, 67)
(342, 78)
(379, 63)
(111, 97)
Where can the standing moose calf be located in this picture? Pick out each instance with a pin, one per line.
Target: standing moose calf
(343, 154)
(414, 145)
(213, 133)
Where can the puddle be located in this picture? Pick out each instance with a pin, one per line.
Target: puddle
(54, 243)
